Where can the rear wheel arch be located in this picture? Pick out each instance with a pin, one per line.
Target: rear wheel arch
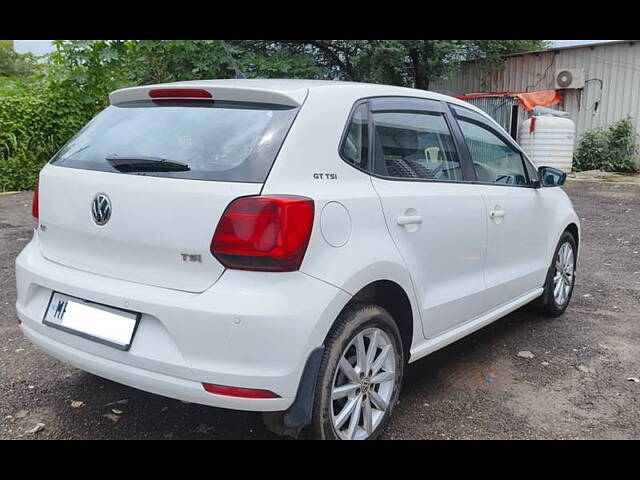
(395, 300)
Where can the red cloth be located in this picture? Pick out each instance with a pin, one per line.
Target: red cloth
(528, 101)
(543, 98)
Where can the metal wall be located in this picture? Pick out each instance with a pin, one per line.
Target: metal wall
(617, 65)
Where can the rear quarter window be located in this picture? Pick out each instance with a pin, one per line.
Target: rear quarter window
(355, 145)
(223, 141)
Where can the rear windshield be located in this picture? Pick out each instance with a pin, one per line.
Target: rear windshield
(225, 141)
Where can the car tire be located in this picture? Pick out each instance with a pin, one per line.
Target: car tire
(562, 269)
(367, 385)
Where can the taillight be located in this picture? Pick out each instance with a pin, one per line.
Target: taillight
(35, 211)
(166, 93)
(264, 233)
(238, 391)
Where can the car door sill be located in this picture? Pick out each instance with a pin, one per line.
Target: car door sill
(441, 341)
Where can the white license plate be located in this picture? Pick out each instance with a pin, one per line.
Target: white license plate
(112, 326)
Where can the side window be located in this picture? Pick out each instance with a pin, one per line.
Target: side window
(493, 160)
(415, 145)
(355, 146)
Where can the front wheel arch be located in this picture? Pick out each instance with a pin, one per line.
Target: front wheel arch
(572, 228)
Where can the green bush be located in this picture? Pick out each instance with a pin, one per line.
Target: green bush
(42, 108)
(19, 171)
(612, 149)
(34, 123)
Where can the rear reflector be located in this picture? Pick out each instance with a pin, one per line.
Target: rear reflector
(264, 233)
(35, 210)
(238, 392)
(179, 93)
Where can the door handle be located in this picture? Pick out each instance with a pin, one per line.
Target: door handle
(497, 214)
(410, 220)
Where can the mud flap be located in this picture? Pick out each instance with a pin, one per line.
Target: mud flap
(291, 422)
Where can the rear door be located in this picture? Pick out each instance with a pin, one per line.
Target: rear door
(434, 214)
(516, 240)
(165, 171)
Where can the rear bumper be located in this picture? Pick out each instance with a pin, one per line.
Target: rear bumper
(251, 330)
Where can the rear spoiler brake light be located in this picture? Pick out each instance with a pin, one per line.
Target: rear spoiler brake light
(170, 93)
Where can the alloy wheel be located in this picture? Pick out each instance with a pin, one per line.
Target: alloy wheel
(564, 274)
(363, 384)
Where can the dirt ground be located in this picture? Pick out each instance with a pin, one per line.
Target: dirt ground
(575, 386)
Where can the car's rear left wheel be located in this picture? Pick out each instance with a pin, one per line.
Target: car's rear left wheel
(360, 375)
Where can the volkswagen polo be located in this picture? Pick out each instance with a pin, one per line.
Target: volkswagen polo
(285, 246)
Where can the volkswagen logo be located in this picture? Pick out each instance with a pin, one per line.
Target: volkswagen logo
(101, 209)
(365, 383)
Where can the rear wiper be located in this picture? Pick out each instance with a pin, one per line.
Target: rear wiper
(141, 163)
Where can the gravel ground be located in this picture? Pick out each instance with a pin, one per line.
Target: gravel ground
(575, 386)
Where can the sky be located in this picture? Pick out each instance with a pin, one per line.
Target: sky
(37, 47)
(40, 47)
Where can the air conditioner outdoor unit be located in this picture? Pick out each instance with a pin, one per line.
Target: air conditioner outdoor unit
(569, 78)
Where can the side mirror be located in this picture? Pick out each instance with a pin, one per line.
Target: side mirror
(551, 177)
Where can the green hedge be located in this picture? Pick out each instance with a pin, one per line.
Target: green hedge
(612, 149)
(33, 126)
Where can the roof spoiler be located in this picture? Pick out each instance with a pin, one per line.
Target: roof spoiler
(202, 91)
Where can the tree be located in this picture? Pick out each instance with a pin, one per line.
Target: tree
(84, 72)
(98, 66)
(332, 59)
(493, 51)
(411, 63)
(93, 68)
(14, 64)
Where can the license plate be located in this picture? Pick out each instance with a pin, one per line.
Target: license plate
(108, 325)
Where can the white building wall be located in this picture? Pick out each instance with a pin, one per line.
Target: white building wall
(616, 64)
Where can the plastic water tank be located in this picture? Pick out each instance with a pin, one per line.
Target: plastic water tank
(550, 142)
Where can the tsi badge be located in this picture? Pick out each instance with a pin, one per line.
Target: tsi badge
(191, 258)
(101, 209)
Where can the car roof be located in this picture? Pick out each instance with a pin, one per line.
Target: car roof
(294, 91)
(290, 85)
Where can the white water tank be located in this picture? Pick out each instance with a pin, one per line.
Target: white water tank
(549, 143)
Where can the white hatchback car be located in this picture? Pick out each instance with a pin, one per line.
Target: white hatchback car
(287, 246)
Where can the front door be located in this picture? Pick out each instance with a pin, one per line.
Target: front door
(516, 242)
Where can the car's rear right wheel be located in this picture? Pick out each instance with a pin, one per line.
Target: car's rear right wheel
(360, 375)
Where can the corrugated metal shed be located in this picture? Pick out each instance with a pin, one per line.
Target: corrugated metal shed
(612, 71)
(498, 108)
